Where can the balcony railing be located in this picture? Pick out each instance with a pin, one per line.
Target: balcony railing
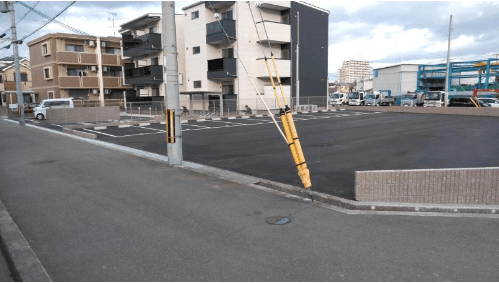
(222, 69)
(215, 34)
(141, 45)
(76, 82)
(277, 33)
(283, 67)
(75, 58)
(143, 75)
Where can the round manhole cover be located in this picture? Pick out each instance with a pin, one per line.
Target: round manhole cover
(278, 220)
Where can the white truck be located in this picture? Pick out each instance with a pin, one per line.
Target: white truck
(338, 98)
(381, 97)
(434, 99)
(356, 98)
(412, 99)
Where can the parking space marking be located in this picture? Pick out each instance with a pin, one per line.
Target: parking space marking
(97, 132)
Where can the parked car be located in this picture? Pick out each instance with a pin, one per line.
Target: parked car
(40, 111)
(493, 102)
(465, 102)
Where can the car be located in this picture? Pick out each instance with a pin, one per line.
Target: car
(40, 111)
(465, 102)
(493, 102)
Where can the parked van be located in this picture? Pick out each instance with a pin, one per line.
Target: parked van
(40, 110)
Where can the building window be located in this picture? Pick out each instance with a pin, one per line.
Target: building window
(112, 72)
(74, 47)
(112, 50)
(50, 94)
(46, 49)
(194, 15)
(155, 91)
(1, 78)
(72, 72)
(154, 61)
(227, 15)
(228, 53)
(376, 74)
(227, 88)
(47, 73)
(24, 77)
(197, 84)
(196, 50)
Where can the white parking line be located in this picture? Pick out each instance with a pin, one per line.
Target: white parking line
(100, 133)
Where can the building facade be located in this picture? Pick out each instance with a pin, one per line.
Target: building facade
(8, 86)
(400, 79)
(219, 47)
(77, 66)
(352, 70)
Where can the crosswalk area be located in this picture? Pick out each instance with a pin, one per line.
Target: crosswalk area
(205, 125)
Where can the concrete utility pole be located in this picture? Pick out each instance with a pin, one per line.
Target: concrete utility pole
(99, 72)
(448, 66)
(170, 66)
(20, 99)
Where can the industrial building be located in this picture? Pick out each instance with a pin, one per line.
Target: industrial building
(400, 79)
(217, 42)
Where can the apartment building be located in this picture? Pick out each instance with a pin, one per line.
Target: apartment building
(8, 86)
(217, 43)
(76, 66)
(352, 70)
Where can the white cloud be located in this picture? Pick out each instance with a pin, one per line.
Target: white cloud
(461, 41)
(350, 6)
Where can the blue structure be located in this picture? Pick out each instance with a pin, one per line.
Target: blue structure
(486, 73)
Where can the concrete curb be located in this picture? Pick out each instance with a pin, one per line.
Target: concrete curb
(24, 263)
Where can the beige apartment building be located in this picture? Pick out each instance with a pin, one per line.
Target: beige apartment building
(8, 86)
(352, 70)
(217, 43)
(77, 66)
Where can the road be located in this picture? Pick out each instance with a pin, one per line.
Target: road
(96, 214)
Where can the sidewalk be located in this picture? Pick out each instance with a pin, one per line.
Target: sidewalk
(95, 214)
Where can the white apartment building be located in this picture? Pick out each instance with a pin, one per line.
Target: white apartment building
(352, 70)
(218, 48)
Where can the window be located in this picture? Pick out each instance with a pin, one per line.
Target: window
(155, 91)
(112, 50)
(227, 88)
(112, 72)
(196, 50)
(154, 61)
(24, 77)
(46, 49)
(376, 74)
(74, 48)
(47, 73)
(50, 94)
(227, 15)
(1, 78)
(197, 84)
(194, 15)
(228, 53)
(76, 72)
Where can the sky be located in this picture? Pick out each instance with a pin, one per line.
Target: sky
(383, 33)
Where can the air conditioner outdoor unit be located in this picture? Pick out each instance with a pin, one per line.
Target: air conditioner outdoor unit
(107, 91)
(94, 68)
(95, 91)
(104, 69)
(91, 43)
(103, 44)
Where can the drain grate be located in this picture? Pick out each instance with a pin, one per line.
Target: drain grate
(278, 220)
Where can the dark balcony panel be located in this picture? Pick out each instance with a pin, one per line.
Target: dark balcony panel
(222, 69)
(146, 44)
(144, 75)
(215, 34)
(215, 5)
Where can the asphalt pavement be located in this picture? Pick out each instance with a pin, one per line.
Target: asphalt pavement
(95, 214)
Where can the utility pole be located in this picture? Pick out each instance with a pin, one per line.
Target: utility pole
(99, 72)
(20, 99)
(448, 66)
(172, 95)
(297, 59)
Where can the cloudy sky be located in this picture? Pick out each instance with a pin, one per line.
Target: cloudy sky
(383, 33)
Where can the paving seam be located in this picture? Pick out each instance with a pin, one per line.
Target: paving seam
(416, 208)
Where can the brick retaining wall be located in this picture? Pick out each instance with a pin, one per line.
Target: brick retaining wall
(83, 114)
(442, 186)
(428, 110)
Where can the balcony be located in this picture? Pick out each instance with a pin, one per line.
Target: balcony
(215, 34)
(283, 67)
(76, 58)
(143, 75)
(277, 33)
(222, 69)
(143, 45)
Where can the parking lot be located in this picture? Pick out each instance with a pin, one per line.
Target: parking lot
(335, 144)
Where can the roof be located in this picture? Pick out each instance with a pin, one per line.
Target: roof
(397, 65)
(142, 20)
(73, 36)
(12, 64)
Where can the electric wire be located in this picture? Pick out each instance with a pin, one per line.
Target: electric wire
(249, 77)
(24, 16)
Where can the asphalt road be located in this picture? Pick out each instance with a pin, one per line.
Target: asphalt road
(95, 214)
(335, 144)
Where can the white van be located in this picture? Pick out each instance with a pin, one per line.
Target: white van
(40, 110)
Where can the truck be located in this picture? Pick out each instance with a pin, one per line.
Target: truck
(338, 98)
(356, 98)
(381, 97)
(412, 99)
(434, 99)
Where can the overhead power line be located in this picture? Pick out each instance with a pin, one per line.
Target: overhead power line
(53, 18)
(30, 9)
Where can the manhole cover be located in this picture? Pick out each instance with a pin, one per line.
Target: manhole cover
(278, 220)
